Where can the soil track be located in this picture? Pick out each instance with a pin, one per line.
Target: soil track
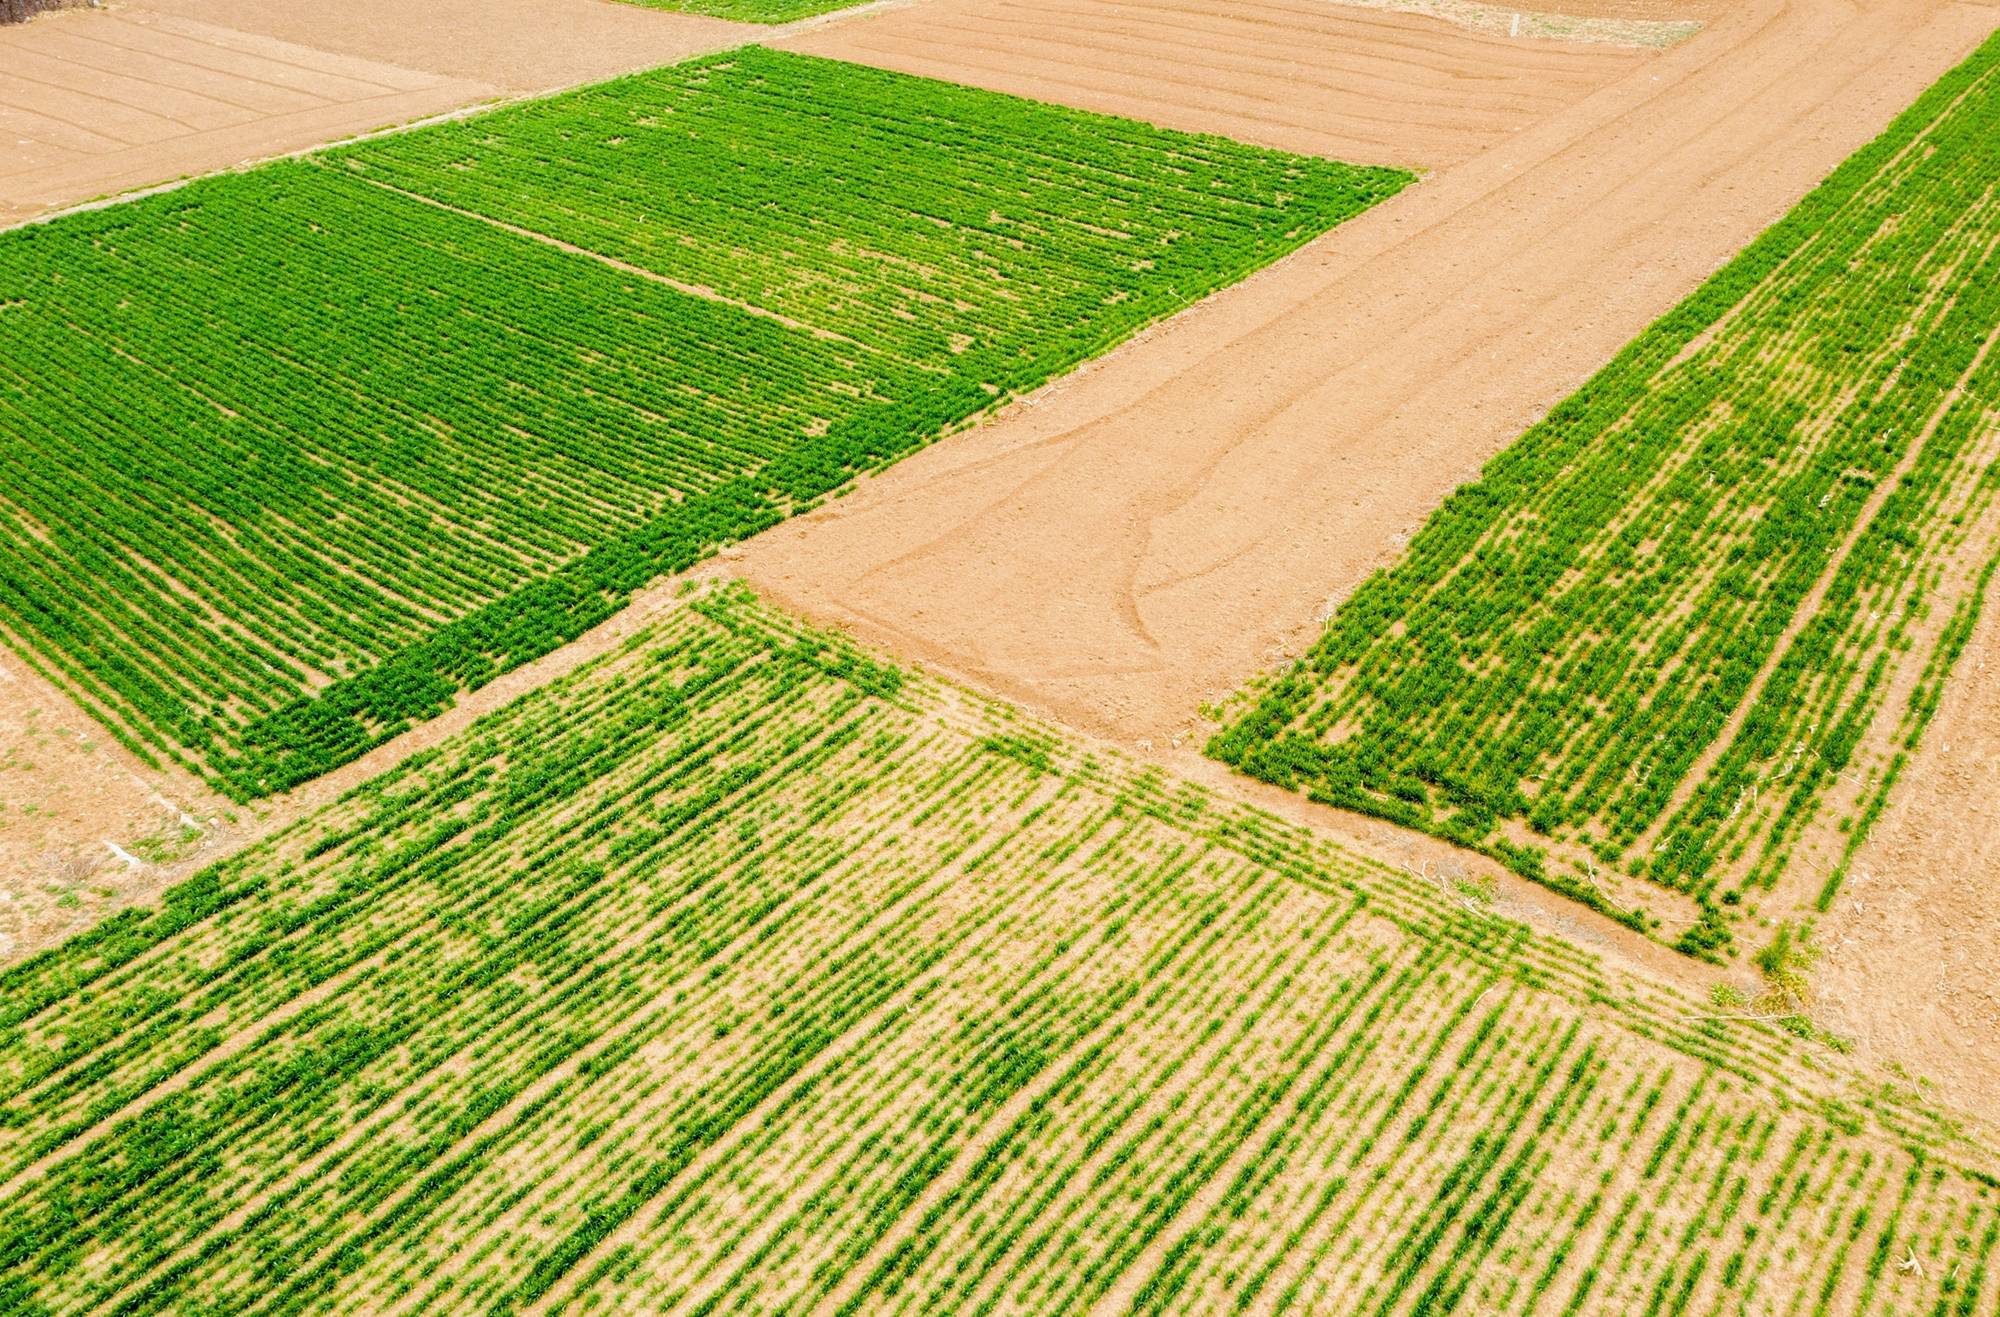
(99, 101)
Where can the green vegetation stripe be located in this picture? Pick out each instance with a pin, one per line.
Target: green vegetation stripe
(1676, 626)
(739, 971)
(300, 457)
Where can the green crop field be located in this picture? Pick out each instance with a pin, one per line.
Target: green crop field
(1692, 623)
(301, 455)
(738, 971)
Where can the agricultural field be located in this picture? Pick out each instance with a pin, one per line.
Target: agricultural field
(1693, 624)
(646, 699)
(304, 454)
(741, 969)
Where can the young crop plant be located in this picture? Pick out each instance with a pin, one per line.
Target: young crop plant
(298, 454)
(1690, 626)
(737, 971)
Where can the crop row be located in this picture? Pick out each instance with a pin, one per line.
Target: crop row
(1708, 601)
(737, 971)
(299, 456)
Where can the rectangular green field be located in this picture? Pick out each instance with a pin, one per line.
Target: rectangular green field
(738, 972)
(297, 454)
(1691, 625)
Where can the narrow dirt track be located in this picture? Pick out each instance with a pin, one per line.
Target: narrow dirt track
(1152, 532)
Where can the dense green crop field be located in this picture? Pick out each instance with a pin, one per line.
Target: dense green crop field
(739, 971)
(1000, 238)
(301, 456)
(1692, 623)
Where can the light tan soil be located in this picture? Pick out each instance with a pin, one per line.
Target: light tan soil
(1912, 964)
(517, 46)
(100, 101)
(1368, 86)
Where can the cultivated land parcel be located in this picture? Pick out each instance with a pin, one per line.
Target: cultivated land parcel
(1716, 594)
(740, 971)
(740, 968)
(302, 455)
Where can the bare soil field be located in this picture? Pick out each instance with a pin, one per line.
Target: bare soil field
(85, 827)
(1363, 85)
(98, 101)
(517, 46)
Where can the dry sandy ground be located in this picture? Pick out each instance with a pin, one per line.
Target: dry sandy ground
(1913, 943)
(1362, 85)
(69, 795)
(100, 101)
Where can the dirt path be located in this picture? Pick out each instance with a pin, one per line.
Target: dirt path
(100, 101)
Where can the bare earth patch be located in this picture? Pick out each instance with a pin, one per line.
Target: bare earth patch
(99, 101)
(85, 827)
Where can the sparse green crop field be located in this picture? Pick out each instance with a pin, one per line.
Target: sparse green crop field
(740, 972)
(1690, 626)
(300, 455)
